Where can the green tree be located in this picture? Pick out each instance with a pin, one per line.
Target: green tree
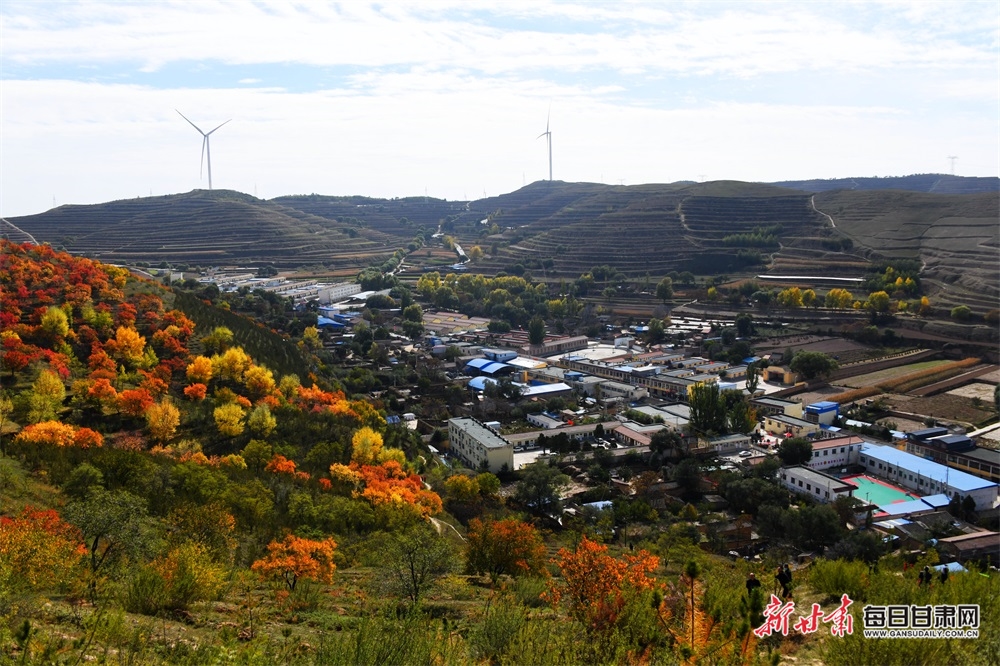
(666, 440)
(795, 451)
(114, 526)
(812, 364)
(217, 341)
(665, 289)
(410, 560)
(753, 378)
(539, 488)
(413, 313)
(961, 313)
(708, 408)
(687, 474)
(744, 325)
(536, 330)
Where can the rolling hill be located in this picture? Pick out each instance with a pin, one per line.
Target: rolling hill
(557, 230)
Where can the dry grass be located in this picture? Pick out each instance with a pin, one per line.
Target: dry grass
(907, 382)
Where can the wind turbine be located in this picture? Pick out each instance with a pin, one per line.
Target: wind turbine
(206, 149)
(548, 139)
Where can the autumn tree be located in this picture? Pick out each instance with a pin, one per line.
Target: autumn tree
(366, 446)
(162, 419)
(129, 346)
(261, 422)
(259, 381)
(878, 302)
(598, 586)
(37, 550)
(199, 370)
(217, 341)
(46, 397)
(229, 419)
(839, 298)
(231, 365)
(135, 402)
(504, 547)
(55, 324)
(294, 558)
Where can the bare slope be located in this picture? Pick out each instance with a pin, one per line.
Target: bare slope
(957, 238)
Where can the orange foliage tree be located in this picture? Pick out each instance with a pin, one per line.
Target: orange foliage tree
(37, 549)
(499, 547)
(135, 402)
(54, 433)
(294, 558)
(598, 586)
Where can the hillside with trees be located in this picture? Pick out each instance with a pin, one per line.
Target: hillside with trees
(168, 496)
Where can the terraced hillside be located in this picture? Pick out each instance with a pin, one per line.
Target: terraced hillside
(702, 228)
(956, 238)
(206, 227)
(558, 230)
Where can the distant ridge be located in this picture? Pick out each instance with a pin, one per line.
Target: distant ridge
(557, 231)
(935, 183)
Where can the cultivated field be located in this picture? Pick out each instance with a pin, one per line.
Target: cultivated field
(875, 378)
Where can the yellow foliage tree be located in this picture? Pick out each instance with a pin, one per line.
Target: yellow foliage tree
(229, 419)
(261, 422)
(130, 345)
(231, 365)
(259, 381)
(162, 419)
(199, 370)
(367, 445)
(46, 397)
(55, 323)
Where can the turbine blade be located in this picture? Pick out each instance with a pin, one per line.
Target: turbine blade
(189, 121)
(228, 121)
(545, 133)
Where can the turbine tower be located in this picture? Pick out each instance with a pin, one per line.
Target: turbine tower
(206, 148)
(548, 139)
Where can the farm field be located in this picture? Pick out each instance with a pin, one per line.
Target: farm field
(942, 406)
(974, 390)
(874, 378)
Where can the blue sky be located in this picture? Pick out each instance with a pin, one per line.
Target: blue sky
(447, 98)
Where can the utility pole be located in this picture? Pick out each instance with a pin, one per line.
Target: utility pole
(953, 158)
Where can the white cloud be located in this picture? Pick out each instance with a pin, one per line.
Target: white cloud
(449, 96)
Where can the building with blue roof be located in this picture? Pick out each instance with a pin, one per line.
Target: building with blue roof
(925, 476)
(487, 367)
(824, 412)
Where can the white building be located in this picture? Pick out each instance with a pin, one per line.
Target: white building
(835, 452)
(821, 487)
(926, 477)
(478, 446)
